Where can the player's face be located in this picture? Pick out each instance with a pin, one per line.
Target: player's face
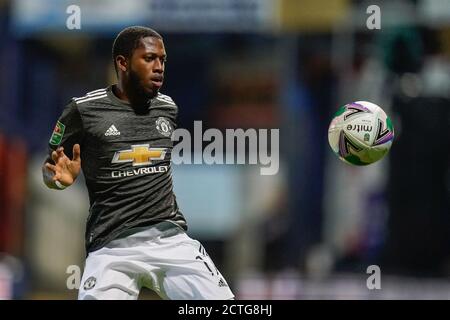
(147, 67)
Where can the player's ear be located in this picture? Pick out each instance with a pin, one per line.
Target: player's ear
(122, 63)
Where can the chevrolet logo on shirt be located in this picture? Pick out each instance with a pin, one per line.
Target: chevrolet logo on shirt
(139, 155)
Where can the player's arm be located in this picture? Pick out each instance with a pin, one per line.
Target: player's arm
(63, 164)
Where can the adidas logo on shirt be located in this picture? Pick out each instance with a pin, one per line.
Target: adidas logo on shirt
(112, 131)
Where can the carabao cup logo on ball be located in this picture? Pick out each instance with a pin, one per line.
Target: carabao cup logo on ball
(360, 133)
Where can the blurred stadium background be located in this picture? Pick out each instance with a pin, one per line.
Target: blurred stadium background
(309, 232)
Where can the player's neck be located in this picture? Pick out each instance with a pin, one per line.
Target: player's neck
(127, 94)
(140, 107)
(120, 93)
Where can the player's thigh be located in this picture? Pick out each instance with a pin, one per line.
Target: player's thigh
(193, 275)
(107, 277)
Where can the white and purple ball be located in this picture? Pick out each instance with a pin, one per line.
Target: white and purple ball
(360, 133)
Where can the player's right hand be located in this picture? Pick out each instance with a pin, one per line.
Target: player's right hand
(65, 170)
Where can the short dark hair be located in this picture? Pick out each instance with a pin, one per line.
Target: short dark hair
(128, 40)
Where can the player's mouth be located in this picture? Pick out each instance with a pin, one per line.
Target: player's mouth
(157, 81)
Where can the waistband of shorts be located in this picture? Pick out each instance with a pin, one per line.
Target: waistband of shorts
(152, 231)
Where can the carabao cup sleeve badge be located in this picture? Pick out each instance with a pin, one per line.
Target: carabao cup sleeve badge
(58, 133)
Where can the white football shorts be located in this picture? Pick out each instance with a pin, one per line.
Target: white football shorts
(162, 258)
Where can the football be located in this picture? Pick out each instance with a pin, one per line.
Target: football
(360, 133)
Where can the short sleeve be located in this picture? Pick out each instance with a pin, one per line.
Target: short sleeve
(68, 130)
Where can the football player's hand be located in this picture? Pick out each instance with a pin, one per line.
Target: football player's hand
(65, 170)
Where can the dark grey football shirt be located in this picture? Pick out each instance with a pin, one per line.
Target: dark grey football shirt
(126, 161)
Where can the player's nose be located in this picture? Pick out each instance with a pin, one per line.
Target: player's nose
(158, 66)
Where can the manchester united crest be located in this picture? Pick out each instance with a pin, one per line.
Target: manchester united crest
(89, 283)
(163, 126)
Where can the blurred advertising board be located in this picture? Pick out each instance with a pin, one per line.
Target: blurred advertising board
(31, 17)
